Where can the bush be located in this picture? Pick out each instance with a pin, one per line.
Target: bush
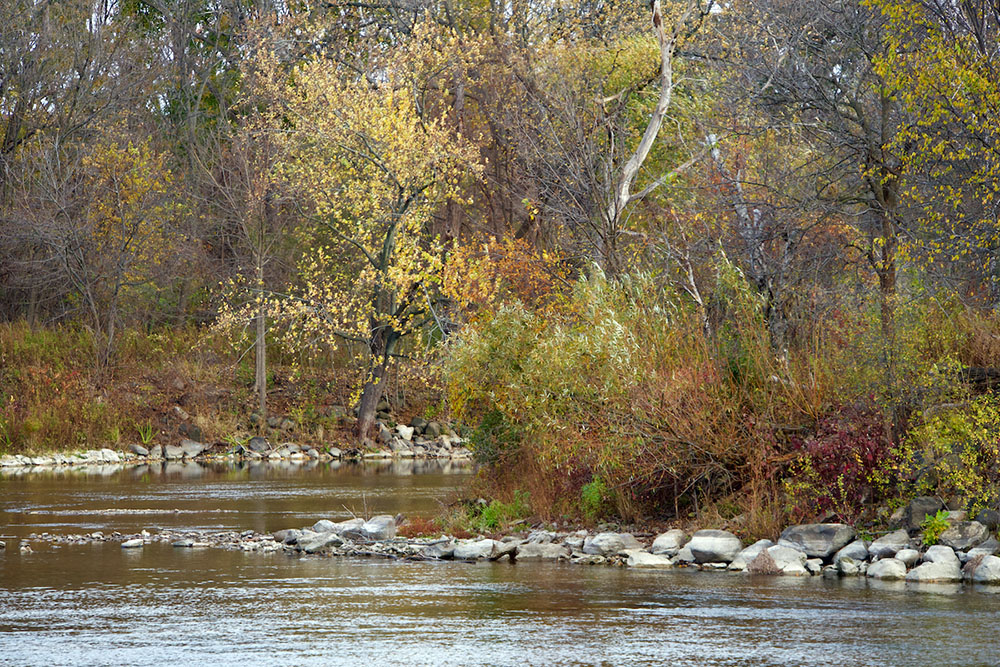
(933, 526)
(847, 466)
(499, 515)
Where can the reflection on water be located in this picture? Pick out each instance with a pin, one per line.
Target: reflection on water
(98, 604)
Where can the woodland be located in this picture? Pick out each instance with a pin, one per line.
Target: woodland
(733, 259)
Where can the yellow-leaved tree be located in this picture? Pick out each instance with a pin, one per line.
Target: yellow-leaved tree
(372, 166)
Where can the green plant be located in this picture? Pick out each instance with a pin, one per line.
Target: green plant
(499, 515)
(933, 526)
(145, 433)
(594, 498)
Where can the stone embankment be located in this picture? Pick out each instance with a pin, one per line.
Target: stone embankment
(442, 446)
(967, 550)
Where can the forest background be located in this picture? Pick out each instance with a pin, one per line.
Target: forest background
(730, 260)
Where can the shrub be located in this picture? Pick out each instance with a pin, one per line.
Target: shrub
(595, 497)
(933, 526)
(498, 515)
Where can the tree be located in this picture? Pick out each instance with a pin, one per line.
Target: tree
(373, 171)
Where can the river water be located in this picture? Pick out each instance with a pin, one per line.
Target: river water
(98, 604)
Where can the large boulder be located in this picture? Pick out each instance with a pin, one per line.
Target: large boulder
(669, 543)
(138, 450)
(192, 448)
(919, 509)
(379, 528)
(988, 571)
(744, 557)
(887, 568)
(350, 528)
(908, 556)
(964, 535)
(855, 550)
(540, 551)
(790, 561)
(714, 546)
(849, 567)
(989, 518)
(936, 572)
(441, 549)
(258, 444)
(817, 540)
(173, 452)
(609, 544)
(479, 550)
(887, 545)
(941, 554)
(988, 548)
(643, 559)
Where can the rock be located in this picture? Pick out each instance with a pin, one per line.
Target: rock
(684, 555)
(192, 448)
(317, 542)
(3, 545)
(539, 551)
(856, 550)
(312, 453)
(405, 432)
(381, 527)
(418, 424)
(788, 560)
(936, 572)
(940, 554)
(440, 550)
(433, 430)
(988, 571)
(138, 450)
(744, 557)
(132, 544)
(669, 543)
(258, 444)
(887, 568)
(887, 545)
(814, 565)
(644, 559)
(919, 509)
(608, 544)
(817, 540)
(541, 537)
(335, 453)
(191, 431)
(908, 556)
(849, 567)
(954, 516)
(180, 413)
(384, 434)
(172, 452)
(988, 548)
(156, 452)
(110, 456)
(288, 536)
(475, 549)
(989, 518)
(184, 543)
(714, 546)
(964, 535)
(324, 526)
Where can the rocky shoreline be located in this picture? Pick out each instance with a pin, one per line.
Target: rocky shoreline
(966, 552)
(255, 449)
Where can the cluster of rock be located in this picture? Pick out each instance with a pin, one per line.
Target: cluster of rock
(421, 438)
(443, 446)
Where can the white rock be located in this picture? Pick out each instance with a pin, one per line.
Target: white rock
(887, 568)
(714, 546)
(475, 549)
(887, 545)
(744, 557)
(988, 571)
(908, 556)
(132, 544)
(936, 572)
(541, 551)
(608, 544)
(405, 432)
(941, 554)
(643, 559)
(381, 527)
(669, 543)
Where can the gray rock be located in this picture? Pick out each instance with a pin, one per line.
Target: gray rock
(744, 557)
(258, 444)
(988, 548)
(335, 453)
(714, 546)
(381, 527)
(936, 572)
(350, 529)
(324, 526)
(475, 549)
(138, 450)
(887, 568)
(608, 544)
(989, 518)
(172, 453)
(908, 556)
(192, 448)
(418, 424)
(312, 453)
(988, 571)
(110, 456)
(644, 559)
(433, 430)
(288, 536)
(539, 551)
(541, 537)
(384, 434)
(132, 544)
(940, 554)
(183, 543)
(964, 535)
(856, 550)
(817, 540)
(441, 549)
(814, 565)
(156, 452)
(849, 567)
(790, 561)
(918, 509)
(669, 543)
(684, 555)
(3, 545)
(887, 545)
(318, 542)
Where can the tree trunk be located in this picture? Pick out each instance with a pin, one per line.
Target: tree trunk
(383, 344)
(260, 347)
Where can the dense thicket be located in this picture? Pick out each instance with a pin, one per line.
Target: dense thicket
(666, 257)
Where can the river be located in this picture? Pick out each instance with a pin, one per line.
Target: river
(99, 604)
